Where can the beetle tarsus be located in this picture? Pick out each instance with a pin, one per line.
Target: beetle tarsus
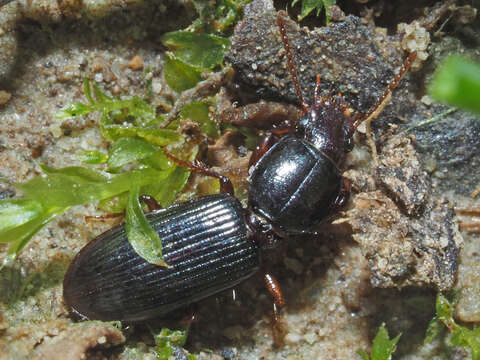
(226, 185)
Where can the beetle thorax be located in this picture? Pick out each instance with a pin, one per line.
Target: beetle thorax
(328, 127)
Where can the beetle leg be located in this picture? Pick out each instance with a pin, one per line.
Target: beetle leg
(343, 195)
(103, 217)
(273, 288)
(226, 185)
(278, 327)
(190, 315)
(262, 147)
(150, 201)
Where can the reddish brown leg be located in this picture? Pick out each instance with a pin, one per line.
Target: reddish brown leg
(262, 147)
(147, 199)
(198, 167)
(190, 315)
(274, 289)
(150, 201)
(102, 217)
(278, 328)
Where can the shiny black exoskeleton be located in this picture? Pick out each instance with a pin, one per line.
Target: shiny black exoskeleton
(204, 242)
(211, 243)
(297, 183)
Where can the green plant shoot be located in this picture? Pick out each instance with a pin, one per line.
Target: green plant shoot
(460, 335)
(382, 347)
(457, 82)
(310, 5)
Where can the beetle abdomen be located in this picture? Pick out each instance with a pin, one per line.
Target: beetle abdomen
(205, 242)
(293, 186)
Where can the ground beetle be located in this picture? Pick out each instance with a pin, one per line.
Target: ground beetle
(211, 243)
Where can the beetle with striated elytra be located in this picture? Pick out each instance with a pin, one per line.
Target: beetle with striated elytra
(211, 243)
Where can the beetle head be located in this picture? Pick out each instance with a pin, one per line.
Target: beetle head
(328, 127)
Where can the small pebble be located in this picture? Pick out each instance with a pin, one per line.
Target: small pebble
(4, 97)
(136, 63)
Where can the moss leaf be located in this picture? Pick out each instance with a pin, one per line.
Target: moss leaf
(457, 82)
(310, 5)
(200, 113)
(382, 347)
(179, 75)
(141, 235)
(201, 51)
(127, 150)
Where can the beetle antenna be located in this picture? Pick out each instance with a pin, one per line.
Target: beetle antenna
(383, 100)
(290, 61)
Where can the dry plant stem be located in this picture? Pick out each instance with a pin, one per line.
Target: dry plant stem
(468, 211)
(475, 192)
(436, 13)
(204, 88)
(470, 227)
(368, 127)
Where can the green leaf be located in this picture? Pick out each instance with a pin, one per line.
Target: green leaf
(166, 191)
(179, 75)
(158, 161)
(202, 51)
(16, 212)
(309, 5)
(74, 110)
(461, 335)
(435, 327)
(382, 347)
(443, 308)
(141, 235)
(134, 110)
(457, 82)
(21, 235)
(115, 204)
(94, 157)
(127, 150)
(129, 123)
(159, 137)
(167, 338)
(363, 354)
(77, 185)
(200, 113)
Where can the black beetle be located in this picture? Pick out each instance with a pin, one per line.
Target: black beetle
(296, 184)
(206, 242)
(211, 243)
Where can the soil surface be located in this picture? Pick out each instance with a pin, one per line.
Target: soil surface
(380, 261)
